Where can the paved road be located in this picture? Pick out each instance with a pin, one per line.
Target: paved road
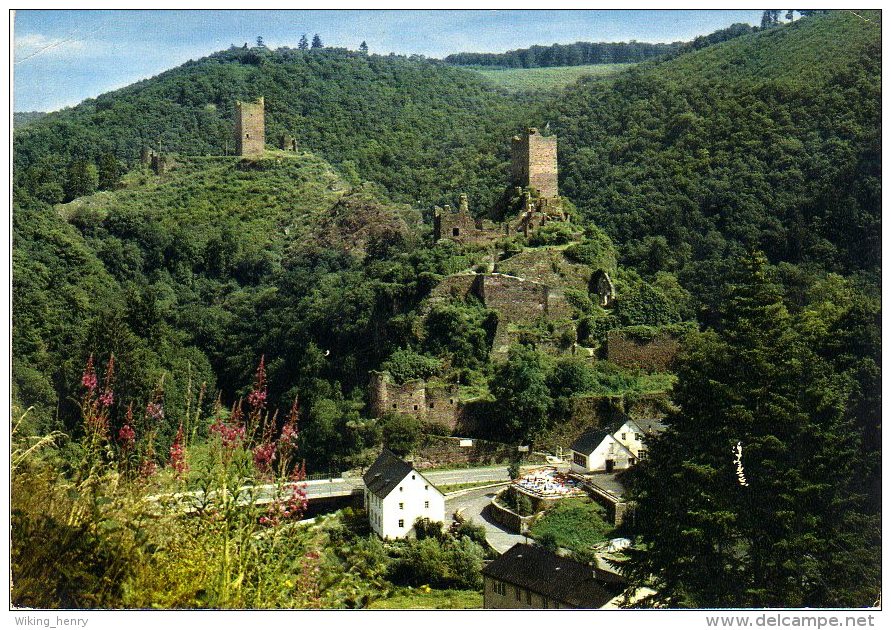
(467, 475)
(474, 504)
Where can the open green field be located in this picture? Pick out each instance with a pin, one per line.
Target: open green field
(526, 79)
(423, 599)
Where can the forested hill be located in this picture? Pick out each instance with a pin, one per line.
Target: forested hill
(420, 129)
(577, 54)
(770, 140)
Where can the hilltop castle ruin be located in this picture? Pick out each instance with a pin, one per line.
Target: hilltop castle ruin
(534, 163)
(250, 128)
(534, 173)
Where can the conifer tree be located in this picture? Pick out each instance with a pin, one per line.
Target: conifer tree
(741, 501)
(82, 179)
(304, 43)
(363, 48)
(317, 41)
(109, 172)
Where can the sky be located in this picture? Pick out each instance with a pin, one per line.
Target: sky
(64, 57)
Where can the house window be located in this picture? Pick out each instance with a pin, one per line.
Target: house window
(394, 405)
(426, 504)
(451, 401)
(579, 460)
(401, 506)
(637, 437)
(500, 588)
(624, 436)
(401, 523)
(517, 589)
(416, 407)
(455, 231)
(412, 477)
(544, 602)
(400, 488)
(426, 487)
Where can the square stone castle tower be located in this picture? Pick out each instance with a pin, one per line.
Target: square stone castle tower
(534, 162)
(250, 128)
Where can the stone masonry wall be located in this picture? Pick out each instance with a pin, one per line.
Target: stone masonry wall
(460, 225)
(516, 300)
(250, 128)
(431, 402)
(534, 162)
(656, 354)
(439, 451)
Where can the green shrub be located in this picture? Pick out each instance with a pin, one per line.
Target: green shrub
(406, 364)
(401, 433)
(554, 233)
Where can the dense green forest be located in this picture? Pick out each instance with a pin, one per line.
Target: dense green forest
(422, 130)
(577, 54)
(320, 261)
(769, 141)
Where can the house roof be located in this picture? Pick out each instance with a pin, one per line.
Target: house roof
(650, 426)
(557, 578)
(589, 440)
(385, 473)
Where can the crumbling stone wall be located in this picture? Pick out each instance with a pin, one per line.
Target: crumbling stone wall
(287, 142)
(250, 128)
(159, 164)
(439, 451)
(515, 299)
(534, 162)
(428, 401)
(627, 350)
(547, 266)
(603, 287)
(460, 226)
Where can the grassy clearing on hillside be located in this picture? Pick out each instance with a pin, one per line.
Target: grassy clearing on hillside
(426, 599)
(528, 79)
(575, 524)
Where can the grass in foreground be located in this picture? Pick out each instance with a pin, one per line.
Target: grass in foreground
(527, 79)
(427, 599)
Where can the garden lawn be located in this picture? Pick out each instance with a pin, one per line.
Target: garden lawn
(575, 523)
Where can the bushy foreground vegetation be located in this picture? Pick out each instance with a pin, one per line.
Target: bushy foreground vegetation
(211, 523)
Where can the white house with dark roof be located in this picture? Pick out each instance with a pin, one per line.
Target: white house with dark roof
(396, 495)
(633, 434)
(606, 450)
(600, 451)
